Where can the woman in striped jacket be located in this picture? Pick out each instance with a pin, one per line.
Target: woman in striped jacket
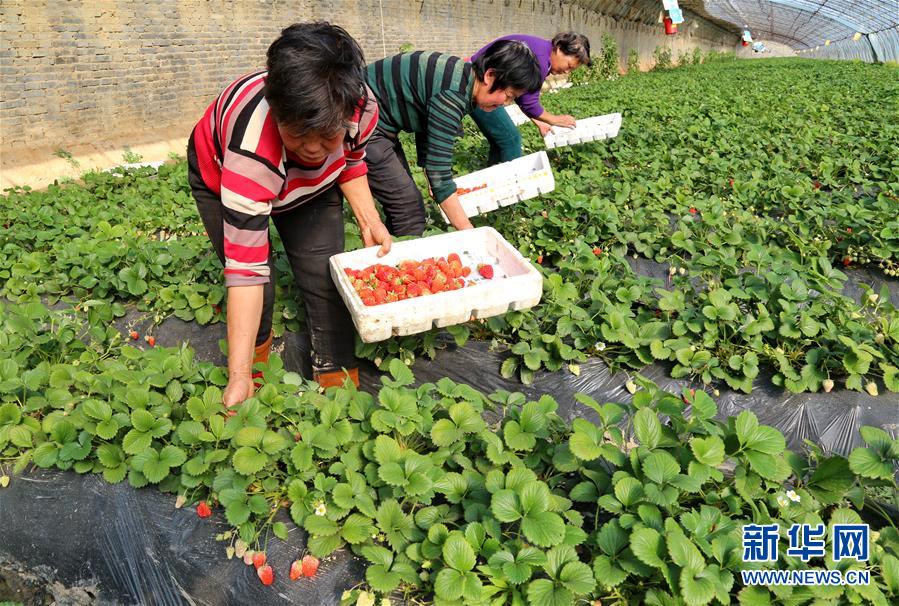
(288, 144)
(429, 93)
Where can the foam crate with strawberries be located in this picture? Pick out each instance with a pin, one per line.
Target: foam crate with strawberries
(588, 129)
(504, 184)
(413, 283)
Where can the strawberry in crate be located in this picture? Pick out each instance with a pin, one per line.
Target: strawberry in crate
(378, 283)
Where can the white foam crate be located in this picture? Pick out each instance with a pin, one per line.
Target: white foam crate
(516, 284)
(518, 116)
(588, 129)
(507, 183)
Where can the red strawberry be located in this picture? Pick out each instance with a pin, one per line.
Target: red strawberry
(731, 181)
(846, 261)
(848, 230)
(266, 574)
(259, 559)
(453, 257)
(692, 211)
(539, 259)
(133, 334)
(816, 185)
(151, 340)
(203, 510)
(692, 393)
(597, 251)
(485, 270)
(296, 570)
(310, 565)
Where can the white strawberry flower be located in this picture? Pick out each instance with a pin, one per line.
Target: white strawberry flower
(320, 509)
(791, 494)
(782, 501)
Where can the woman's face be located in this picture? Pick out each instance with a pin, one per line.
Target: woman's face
(314, 146)
(560, 63)
(489, 101)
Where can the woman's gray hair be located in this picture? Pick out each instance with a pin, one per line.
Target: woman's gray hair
(573, 45)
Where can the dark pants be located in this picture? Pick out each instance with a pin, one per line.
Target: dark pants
(311, 234)
(501, 133)
(391, 183)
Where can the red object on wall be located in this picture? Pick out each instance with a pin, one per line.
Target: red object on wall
(670, 27)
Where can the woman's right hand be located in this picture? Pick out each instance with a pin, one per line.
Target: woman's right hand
(240, 388)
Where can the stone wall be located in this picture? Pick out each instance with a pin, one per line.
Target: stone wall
(96, 75)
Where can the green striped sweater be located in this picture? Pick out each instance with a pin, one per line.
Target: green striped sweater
(426, 93)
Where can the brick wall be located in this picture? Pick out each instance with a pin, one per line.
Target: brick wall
(108, 73)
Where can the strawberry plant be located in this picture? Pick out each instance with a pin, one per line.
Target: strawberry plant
(755, 243)
(450, 495)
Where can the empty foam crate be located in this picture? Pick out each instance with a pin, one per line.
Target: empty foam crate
(504, 184)
(518, 116)
(588, 129)
(516, 284)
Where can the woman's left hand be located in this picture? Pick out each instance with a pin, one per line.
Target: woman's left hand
(377, 234)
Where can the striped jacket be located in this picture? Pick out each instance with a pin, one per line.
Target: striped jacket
(243, 160)
(426, 93)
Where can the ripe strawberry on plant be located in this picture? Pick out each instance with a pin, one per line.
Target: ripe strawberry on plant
(296, 570)
(266, 574)
(309, 565)
(597, 251)
(203, 510)
(485, 270)
(259, 559)
(151, 340)
(134, 335)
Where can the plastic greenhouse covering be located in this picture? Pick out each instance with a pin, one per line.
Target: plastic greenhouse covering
(830, 29)
(835, 29)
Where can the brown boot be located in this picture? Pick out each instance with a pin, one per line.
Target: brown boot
(336, 378)
(261, 354)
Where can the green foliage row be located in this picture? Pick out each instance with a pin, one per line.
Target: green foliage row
(451, 496)
(758, 193)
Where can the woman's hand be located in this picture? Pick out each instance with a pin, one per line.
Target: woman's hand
(565, 121)
(376, 233)
(543, 127)
(240, 388)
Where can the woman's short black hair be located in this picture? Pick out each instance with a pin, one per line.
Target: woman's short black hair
(513, 64)
(573, 45)
(316, 77)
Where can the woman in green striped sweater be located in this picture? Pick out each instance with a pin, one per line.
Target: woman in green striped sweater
(428, 93)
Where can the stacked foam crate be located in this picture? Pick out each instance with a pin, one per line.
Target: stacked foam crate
(588, 129)
(504, 184)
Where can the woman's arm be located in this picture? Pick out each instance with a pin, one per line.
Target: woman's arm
(371, 227)
(244, 313)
